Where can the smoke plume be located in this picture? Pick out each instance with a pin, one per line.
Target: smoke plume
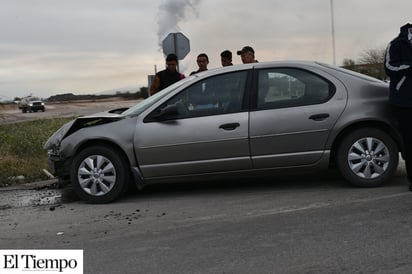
(171, 13)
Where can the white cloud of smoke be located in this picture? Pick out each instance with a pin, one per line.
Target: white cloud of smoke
(171, 13)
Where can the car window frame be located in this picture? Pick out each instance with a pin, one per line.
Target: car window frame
(254, 96)
(153, 115)
(153, 99)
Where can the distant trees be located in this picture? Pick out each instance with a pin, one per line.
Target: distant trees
(349, 64)
(370, 63)
(132, 95)
(373, 56)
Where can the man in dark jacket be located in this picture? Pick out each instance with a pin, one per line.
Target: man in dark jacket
(166, 77)
(398, 66)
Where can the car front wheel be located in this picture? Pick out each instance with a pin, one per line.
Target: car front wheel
(99, 174)
(367, 157)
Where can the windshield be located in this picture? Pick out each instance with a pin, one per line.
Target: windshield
(143, 105)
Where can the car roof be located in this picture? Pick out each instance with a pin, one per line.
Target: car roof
(308, 64)
(258, 65)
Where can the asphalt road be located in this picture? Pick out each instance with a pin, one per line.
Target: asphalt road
(278, 225)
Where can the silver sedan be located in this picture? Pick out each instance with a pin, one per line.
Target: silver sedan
(253, 119)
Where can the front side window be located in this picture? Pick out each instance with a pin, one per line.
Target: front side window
(286, 87)
(211, 96)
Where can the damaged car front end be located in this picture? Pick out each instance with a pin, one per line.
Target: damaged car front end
(96, 153)
(63, 145)
(58, 164)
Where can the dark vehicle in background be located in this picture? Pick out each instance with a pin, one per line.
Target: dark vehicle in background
(31, 104)
(246, 120)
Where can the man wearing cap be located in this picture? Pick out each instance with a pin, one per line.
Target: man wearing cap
(247, 54)
(226, 58)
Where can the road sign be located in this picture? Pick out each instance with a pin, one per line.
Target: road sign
(176, 43)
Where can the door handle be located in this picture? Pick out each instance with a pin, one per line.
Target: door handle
(319, 117)
(230, 126)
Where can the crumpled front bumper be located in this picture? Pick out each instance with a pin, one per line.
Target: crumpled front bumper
(59, 167)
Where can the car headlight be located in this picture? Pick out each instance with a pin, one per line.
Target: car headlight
(53, 143)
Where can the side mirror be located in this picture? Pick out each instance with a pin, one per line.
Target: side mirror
(166, 113)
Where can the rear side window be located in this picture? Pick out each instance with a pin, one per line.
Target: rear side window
(287, 87)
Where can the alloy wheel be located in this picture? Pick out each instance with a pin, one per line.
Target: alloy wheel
(96, 175)
(368, 157)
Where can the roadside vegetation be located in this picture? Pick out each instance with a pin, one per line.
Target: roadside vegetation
(1, 114)
(370, 63)
(22, 157)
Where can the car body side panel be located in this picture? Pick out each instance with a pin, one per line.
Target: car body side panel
(118, 133)
(369, 105)
(192, 146)
(288, 136)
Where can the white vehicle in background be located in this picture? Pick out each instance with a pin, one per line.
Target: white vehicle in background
(31, 104)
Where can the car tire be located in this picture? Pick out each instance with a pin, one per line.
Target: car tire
(367, 157)
(99, 174)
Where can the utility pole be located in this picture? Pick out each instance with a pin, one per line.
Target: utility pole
(332, 19)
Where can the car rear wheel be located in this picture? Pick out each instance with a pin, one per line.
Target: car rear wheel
(99, 174)
(367, 157)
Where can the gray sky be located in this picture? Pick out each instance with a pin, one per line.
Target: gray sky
(50, 47)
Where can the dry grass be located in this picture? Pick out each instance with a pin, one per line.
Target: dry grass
(1, 108)
(22, 157)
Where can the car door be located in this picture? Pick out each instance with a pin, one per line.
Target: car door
(202, 129)
(294, 114)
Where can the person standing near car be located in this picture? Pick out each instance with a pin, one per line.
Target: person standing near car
(168, 76)
(202, 62)
(247, 54)
(226, 58)
(398, 66)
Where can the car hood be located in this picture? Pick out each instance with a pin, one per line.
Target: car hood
(94, 120)
(83, 122)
